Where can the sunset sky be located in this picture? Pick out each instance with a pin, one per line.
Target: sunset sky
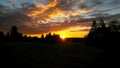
(69, 18)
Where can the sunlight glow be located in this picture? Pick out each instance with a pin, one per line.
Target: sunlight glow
(63, 37)
(73, 32)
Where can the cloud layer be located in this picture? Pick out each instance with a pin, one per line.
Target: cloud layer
(40, 16)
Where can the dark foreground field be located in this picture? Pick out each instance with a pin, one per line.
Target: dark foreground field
(52, 55)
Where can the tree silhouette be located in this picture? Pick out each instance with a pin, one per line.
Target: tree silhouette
(52, 38)
(42, 36)
(97, 33)
(13, 31)
(101, 23)
(114, 26)
(8, 34)
(101, 35)
(14, 34)
(94, 26)
(2, 36)
(49, 36)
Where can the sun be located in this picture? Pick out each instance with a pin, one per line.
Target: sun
(63, 37)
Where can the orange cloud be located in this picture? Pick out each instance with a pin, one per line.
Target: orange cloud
(46, 7)
(77, 12)
(52, 11)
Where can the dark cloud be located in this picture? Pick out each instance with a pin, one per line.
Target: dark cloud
(104, 12)
(99, 14)
(112, 17)
(96, 3)
(90, 4)
(108, 18)
(3, 8)
(65, 5)
(115, 2)
(80, 30)
(84, 6)
(108, 9)
(102, 8)
(14, 18)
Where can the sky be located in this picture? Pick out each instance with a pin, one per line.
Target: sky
(69, 18)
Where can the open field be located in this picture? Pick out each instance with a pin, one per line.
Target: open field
(52, 55)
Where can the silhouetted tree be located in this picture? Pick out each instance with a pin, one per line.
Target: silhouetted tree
(2, 36)
(8, 34)
(114, 26)
(93, 29)
(52, 38)
(101, 35)
(56, 37)
(101, 23)
(48, 36)
(94, 26)
(97, 33)
(14, 34)
(13, 31)
(42, 36)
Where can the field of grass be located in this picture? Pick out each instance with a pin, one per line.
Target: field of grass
(52, 55)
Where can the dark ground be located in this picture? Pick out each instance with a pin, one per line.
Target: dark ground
(52, 55)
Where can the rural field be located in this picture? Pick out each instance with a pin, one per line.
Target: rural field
(52, 55)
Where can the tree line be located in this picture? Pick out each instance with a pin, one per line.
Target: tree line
(102, 34)
(15, 36)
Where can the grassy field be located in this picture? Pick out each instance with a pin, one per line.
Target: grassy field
(52, 55)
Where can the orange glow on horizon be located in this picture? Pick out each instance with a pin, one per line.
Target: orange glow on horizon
(65, 34)
(71, 32)
(68, 34)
